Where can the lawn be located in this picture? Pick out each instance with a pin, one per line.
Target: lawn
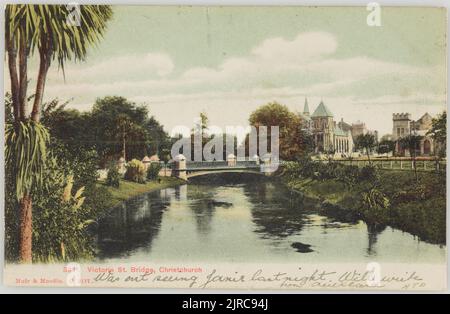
(128, 189)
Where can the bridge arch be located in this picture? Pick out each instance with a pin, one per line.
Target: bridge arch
(194, 174)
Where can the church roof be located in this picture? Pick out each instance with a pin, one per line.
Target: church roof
(306, 107)
(322, 111)
(425, 116)
(339, 132)
(304, 117)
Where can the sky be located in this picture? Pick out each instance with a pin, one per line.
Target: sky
(227, 61)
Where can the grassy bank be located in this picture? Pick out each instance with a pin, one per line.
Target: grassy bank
(415, 207)
(128, 189)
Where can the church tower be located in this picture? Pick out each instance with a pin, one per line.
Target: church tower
(306, 108)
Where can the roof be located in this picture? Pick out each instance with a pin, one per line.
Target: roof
(322, 111)
(306, 107)
(339, 132)
(426, 115)
(344, 125)
(304, 117)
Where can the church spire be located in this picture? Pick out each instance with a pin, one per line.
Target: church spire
(306, 108)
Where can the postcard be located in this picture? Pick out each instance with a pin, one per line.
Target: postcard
(225, 147)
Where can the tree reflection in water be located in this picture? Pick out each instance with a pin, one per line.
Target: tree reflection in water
(133, 224)
(373, 230)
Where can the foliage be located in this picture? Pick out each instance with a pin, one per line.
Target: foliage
(113, 118)
(375, 199)
(153, 170)
(438, 131)
(386, 146)
(61, 219)
(135, 171)
(379, 198)
(44, 27)
(113, 177)
(369, 174)
(349, 175)
(365, 142)
(292, 141)
(25, 154)
(411, 142)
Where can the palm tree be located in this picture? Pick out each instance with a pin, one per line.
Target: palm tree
(41, 28)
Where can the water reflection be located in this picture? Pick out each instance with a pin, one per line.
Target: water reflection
(373, 230)
(238, 218)
(131, 225)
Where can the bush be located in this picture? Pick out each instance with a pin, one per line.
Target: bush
(113, 177)
(153, 170)
(63, 207)
(135, 171)
(369, 174)
(60, 221)
(348, 175)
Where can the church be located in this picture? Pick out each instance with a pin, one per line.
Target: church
(328, 135)
(403, 126)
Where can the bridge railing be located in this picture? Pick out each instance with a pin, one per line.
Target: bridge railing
(220, 164)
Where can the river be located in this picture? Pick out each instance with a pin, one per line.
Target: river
(246, 219)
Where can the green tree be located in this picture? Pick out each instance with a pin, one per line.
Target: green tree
(164, 156)
(292, 141)
(412, 143)
(43, 28)
(386, 146)
(110, 120)
(438, 132)
(366, 142)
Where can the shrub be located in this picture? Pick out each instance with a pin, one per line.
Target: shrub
(369, 174)
(135, 171)
(113, 177)
(62, 209)
(153, 170)
(348, 175)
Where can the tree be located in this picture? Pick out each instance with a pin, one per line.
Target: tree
(111, 118)
(159, 140)
(386, 146)
(164, 155)
(43, 28)
(366, 142)
(438, 131)
(292, 141)
(412, 143)
(124, 126)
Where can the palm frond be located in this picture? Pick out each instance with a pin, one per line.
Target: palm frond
(25, 154)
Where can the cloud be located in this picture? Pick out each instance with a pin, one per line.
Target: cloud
(276, 69)
(304, 48)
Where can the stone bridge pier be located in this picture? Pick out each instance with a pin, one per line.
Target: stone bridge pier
(179, 168)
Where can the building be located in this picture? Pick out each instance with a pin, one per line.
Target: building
(328, 135)
(403, 125)
(305, 117)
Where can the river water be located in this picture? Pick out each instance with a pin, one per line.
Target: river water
(240, 219)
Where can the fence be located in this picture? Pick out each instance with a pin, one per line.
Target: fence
(397, 163)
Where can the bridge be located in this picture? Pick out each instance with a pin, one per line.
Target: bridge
(189, 169)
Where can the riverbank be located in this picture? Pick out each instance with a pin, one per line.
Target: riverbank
(128, 189)
(417, 208)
